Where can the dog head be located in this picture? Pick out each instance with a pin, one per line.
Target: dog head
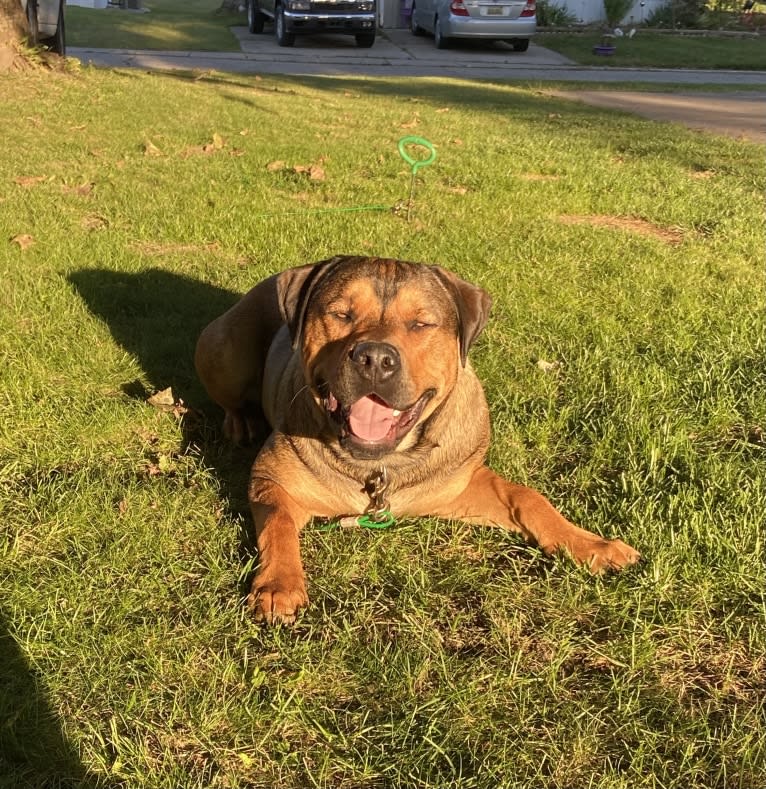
(382, 342)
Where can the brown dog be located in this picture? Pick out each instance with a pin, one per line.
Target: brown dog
(360, 366)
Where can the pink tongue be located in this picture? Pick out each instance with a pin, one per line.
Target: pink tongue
(370, 419)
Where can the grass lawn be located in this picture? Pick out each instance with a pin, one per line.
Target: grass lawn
(627, 254)
(655, 50)
(167, 24)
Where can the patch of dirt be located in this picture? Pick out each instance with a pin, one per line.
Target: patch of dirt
(641, 227)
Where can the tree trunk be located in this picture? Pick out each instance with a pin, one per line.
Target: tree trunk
(13, 30)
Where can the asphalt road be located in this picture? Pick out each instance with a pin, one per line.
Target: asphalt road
(399, 53)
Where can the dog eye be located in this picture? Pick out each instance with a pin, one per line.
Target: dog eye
(420, 325)
(343, 317)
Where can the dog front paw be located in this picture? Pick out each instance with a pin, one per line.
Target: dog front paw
(277, 600)
(600, 555)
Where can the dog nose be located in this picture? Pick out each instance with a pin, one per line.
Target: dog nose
(376, 360)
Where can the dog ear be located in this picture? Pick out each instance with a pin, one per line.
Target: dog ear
(473, 305)
(294, 288)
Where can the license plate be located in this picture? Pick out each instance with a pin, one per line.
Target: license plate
(494, 10)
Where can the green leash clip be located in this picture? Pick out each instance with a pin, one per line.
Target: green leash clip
(415, 164)
(382, 520)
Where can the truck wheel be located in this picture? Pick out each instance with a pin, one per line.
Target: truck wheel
(284, 39)
(57, 42)
(34, 30)
(365, 40)
(255, 18)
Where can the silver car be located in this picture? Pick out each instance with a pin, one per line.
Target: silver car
(514, 21)
(46, 23)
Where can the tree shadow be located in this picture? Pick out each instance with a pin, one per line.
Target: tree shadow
(157, 317)
(34, 753)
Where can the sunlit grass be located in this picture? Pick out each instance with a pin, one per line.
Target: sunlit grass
(626, 254)
(164, 25)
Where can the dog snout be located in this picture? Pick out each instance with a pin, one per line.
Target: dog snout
(376, 361)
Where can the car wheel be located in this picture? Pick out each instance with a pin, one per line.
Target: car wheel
(255, 18)
(57, 42)
(415, 28)
(34, 30)
(520, 44)
(284, 39)
(365, 40)
(441, 41)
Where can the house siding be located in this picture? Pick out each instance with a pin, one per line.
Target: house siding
(588, 11)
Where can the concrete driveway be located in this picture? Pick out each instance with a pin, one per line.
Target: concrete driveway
(738, 115)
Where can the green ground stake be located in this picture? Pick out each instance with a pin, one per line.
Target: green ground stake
(415, 164)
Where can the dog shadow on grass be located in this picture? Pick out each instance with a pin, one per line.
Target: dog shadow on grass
(157, 316)
(33, 749)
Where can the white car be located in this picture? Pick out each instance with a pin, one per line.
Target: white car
(514, 21)
(46, 23)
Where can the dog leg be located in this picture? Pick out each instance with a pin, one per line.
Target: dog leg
(491, 500)
(245, 425)
(278, 590)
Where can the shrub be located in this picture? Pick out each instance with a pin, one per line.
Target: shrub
(678, 13)
(550, 15)
(615, 10)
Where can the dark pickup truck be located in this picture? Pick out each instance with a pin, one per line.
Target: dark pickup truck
(294, 17)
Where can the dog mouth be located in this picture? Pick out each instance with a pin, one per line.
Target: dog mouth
(372, 423)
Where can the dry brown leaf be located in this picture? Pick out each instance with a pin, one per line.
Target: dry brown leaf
(153, 470)
(216, 144)
(443, 109)
(150, 149)
(458, 190)
(94, 222)
(162, 400)
(410, 124)
(276, 166)
(548, 367)
(179, 409)
(28, 181)
(83, 190)
(24, 240)
(316, 173)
